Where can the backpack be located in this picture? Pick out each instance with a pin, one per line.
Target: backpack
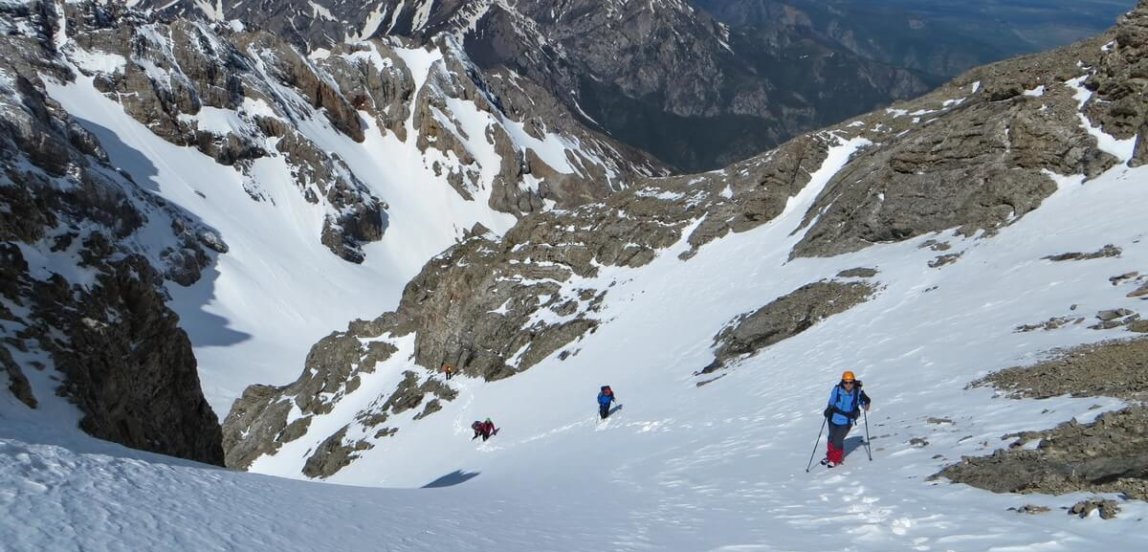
(856, 393)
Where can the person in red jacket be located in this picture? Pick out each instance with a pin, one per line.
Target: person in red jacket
(485, 429)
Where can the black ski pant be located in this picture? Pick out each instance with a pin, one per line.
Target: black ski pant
(604, 410)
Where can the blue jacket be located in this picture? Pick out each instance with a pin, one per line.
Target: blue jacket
(604, 399)
(846, 406)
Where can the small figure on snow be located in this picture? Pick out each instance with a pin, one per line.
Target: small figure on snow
(447, 370)
(605, 397)
(485, 429)
(845, 403)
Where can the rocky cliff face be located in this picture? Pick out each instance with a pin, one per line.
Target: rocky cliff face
(1120, 105)
(749, 93)
(971, 157)
(81, 299)
(659, 75)
(170, 73)
(933, 38)
(976, 157)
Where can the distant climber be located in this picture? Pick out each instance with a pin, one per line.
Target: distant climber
(448, 370)
(845, 403)
(485, 429)
(605, 397)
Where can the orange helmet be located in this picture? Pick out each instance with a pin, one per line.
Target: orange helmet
(847, 376)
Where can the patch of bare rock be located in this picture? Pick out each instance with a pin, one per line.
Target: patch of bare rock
(785, 317)
(1109, 455)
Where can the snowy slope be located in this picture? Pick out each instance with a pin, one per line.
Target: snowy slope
(679, 467)
(278, 290)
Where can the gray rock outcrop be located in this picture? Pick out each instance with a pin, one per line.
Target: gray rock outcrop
(1113, 368)
(1108, 455)
(783, 318)
(1120, 81)
(101, 328)
(972, 160)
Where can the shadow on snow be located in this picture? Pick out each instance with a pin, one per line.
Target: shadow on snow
(451, 479)
(206, 329)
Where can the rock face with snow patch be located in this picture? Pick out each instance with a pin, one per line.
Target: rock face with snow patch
(173, 77)
(242, 97)
(1121, 84)
(85, 252)
(975, 156)
(783, 318)
(1107, 455)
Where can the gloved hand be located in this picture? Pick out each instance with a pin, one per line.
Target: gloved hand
(828, 412)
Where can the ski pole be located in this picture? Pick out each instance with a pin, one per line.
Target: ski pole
(815, 443)
(868, 449)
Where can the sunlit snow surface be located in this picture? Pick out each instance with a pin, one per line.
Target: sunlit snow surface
(680, 467)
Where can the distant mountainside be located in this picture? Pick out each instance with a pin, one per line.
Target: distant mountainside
(972, 158)
(660, 75)
(940, 39)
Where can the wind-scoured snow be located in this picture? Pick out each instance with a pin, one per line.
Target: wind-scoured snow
(718, 467)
